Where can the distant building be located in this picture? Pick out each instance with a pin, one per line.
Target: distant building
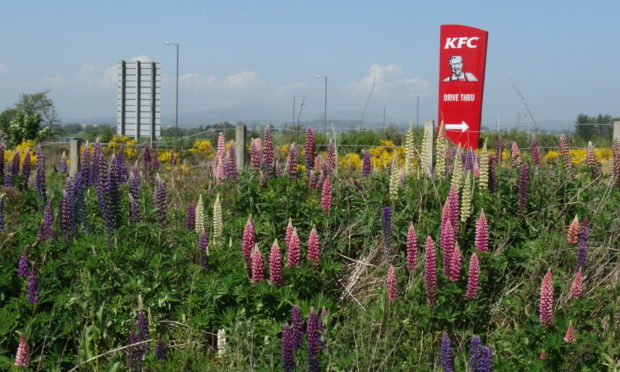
(138, 100)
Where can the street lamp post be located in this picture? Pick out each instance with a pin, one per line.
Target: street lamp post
(325, 107)
(177, 92)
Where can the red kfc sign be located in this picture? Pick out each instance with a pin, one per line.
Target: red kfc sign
(462, 58)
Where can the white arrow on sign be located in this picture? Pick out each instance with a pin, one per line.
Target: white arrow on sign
(462, 127)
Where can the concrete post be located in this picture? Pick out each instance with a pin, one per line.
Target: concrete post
(74, 156)
(429, 135)
(616, 134)
(240, 134)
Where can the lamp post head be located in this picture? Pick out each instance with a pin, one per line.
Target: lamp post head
(169, 43)
(318, 76)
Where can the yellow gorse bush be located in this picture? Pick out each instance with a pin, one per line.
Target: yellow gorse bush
(128, 143)
(381, 156)
(350, 162)
(203, 149)
(22, 148)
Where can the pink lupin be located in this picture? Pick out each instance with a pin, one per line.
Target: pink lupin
(575, 287)
(430, 271)
(412, 248)
(453, 197)
(447, 243)
(546, 301)
(275, 264)
(474, 275)
(22, 355)
(455, 264)
(391, 284)
(573, 231)
(482, 233)
(570, 334)
(288, 232)
(248, 240)
(326, 195)
(314, 252)
(257, 266)
(516, 160)
(293, 250)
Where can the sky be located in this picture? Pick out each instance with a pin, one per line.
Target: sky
(562, 56)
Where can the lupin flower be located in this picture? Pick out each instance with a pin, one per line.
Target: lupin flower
(39, 176)
(217, 218)
(573, 231)
(570, 334)
(582, 250)
(482, 233)
(366, 170)
(222, 343)
(474, 275)
(2, 150)
(296, 327)
(440, 153)
(514, 156)
(22, 264)
(262, 180)
(190, 217)
(326, 195)
(466, 199)
(46, 230)
(33, 287)
(483, 180)
(453, 198)
(26, 168)
(23, 352)
(314, 341)
(248, 241)
(200, 215)
(63, 163)
(85, 165)
(430, 274)
(565, 151)
(230, 164)
(499, 148)
(394, 180)
(485, 359)
(546, 301)
(575, 287)
(425, 156)
(447, 244)
(287, 349)
(160, 201)
(409, 149)
(257, 266)
(314, 252)
(134, 182)
(455, 264)
(67, 209)
(474, 352)
(446, 353)
(275, 264)
(535, 151)
(292, 161)
(288, 232)
(309, 149)
(147, 155)
(391, 284)
(1, 213)
(160, 350)
(311, 180)
(524, 178)
(256, 154)
(591, 156)
(386, 223)
(203, 251)
(134, 213)
(268, 166)
(293, 250)
(469, 160)
(412, 248)
(457, 172)
(331, 157)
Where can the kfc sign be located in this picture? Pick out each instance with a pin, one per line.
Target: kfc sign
(462, 58)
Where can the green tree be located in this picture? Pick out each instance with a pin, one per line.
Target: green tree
(38, 103)
(6, 117)
(25, 127)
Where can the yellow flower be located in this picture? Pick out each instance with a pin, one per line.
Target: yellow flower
(578, 156)
(203, 149)
(350, 162)
(129, 145)
(551, 157)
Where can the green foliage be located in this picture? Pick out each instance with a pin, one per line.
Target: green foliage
(23, 128)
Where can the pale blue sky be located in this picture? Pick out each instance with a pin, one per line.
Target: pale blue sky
(561, 55)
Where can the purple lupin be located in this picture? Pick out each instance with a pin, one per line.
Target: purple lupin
(313, 336)
(160, 200)
(22, 264)
(296, 327)
(582, 250)
(33, 287)
(39, 176)
(287, 349)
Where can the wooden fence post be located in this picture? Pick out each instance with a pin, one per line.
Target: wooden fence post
(616, 135)
(240, 134)
(74, 156)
